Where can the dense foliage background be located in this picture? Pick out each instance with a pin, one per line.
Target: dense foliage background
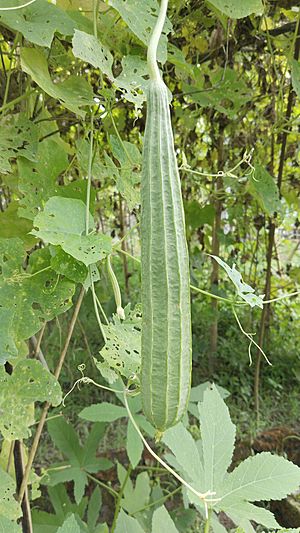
(73, 78)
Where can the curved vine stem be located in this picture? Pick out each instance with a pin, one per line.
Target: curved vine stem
(204, 497)
(14, 8)
(154, 40)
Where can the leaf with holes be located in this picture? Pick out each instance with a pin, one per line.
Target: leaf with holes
(28, 383)
(8, 349)
(237, 9)
(39, 22)
(89, 49)
(67, 266)
(132, 81)
(264, 189)
(29, 300)
(38, 180)
(9, 507)
(51, 227)
(18, 137)
(245, 291)
(122, 350)
(73, 92)
(8, 525)
(228, 92)
(141, 22)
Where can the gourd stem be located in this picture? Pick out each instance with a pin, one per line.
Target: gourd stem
(154, 40)
(204, 497)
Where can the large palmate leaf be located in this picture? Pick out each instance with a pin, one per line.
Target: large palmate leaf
(38, 22)
(108, 412)
(18, 137)
(81, 460)
(218, 436)
(9, 507)
(264, 189)
(51, 227)
(263, 477)
(62, 506)
(142, 21)
(73, 92)
(245, 291)
(27, 301)
(237, 9)
(29, 382)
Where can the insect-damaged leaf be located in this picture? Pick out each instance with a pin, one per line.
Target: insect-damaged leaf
(52, 227)
(38, 22)
(27, 301)
(29, 382)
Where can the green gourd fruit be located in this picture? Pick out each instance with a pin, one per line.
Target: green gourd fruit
(166, 324)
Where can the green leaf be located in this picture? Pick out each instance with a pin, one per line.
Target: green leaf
(18, 137)
(38, 179)
(245, 291)
(228, 93)
(89, 49)
(184, 448)
(69, 526)
(218, 436)
(82, 459)
(65, 438)
(66, 265)
(73, 92)
(197, 216)
(265, 191)
(162, 522)
(141, 22)
(122, 350)
(39, 22)
(134, 497)
(262, 477)
(103, 412)
(134, 445)
(131, 81)
(32, 299)
(29, 382)
(296, 76)
(244, 510)
(7, 525)
(237, 9)
(51, 227)
(94, 508)
(8, 349)
(12, 225)
(9, 507)
(127, 524)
